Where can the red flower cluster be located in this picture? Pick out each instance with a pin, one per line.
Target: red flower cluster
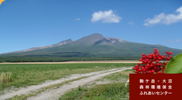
(148, 66)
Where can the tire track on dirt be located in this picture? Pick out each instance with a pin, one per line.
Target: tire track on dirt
(29, 89)
(54, 94)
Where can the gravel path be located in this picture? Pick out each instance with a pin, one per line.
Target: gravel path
(54, 94)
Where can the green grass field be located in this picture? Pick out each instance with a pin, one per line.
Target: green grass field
(32, 74)
(115, 90)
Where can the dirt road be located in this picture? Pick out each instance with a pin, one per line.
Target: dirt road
(54, 94)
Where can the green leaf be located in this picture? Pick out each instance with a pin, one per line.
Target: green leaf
(174, 65)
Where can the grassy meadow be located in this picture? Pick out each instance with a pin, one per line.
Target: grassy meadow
(21, 75)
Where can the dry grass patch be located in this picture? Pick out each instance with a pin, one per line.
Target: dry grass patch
(126, 72)
(5, 77)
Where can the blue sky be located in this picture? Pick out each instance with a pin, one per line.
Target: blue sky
(33, 23)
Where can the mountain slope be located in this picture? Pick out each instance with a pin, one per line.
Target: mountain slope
(93, 46)
(43, 47)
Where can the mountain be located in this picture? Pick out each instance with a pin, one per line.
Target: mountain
(43, 47)
(92, 47)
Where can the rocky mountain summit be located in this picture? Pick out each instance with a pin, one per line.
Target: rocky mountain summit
(92, 46)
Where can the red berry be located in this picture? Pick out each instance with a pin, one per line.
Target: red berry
(165, 62)
(163, 72)
(158, 72)
(148, 66)
(168, 58)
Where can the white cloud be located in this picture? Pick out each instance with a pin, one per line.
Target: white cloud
(131, 23)
(178, 40)
(165, 19)
(77, 19)
(106, 17)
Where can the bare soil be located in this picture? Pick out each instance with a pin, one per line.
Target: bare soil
(54, 94)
